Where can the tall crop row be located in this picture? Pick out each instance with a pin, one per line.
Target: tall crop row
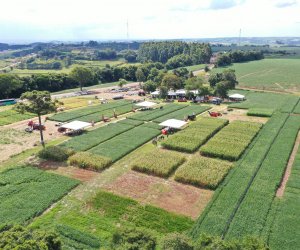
(191, 138)
(217, 215)
(252, 213)
(232, 141)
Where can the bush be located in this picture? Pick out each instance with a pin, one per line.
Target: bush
(79, 236)
(176, 241)
(134, 239)
(89, 161)
(158, 162)
(55, 153)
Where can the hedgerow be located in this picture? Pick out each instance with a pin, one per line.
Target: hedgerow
(192, 137)
(260, 112)
(203, 172)
(231, 142)
(26, 192)
(158, 162)
(55, 153)
(87, 160)
(214, 219)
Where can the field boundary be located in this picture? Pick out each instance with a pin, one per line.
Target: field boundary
(287, 173)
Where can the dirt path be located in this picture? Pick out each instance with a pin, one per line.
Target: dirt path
(280, 190)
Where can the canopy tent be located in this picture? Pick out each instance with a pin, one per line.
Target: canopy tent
(76, 125)
(146, 104)
(173, 123)
(155, 93)
(237, 96)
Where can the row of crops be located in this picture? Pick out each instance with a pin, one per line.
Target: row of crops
(83, 112)
(284, 233)
(215, 219)
(231, 141)
(251, 216)
(11, 116)
(191, 138)
(26, 192)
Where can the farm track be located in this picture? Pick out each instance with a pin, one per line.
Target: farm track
(280, 190)
(250, 183)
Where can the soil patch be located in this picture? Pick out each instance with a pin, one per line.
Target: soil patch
(280, 190)
(167, 194)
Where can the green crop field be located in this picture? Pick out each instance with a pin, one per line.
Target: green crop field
(285, 233)
(215, 218)
(264, 100)
(150, 115)
(260, 112)
(269, 74)
(26, 192)
(192, 137)
(11, 116)
(83, 113)
(203, 172)
(182, 114)
(95, 137)
(231, 141)
(158, 162)
(122, 144)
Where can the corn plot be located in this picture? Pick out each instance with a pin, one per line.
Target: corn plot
(203, 172)
(26, 192)
(158, 162)
(79, 113)
(260, 112)
(232, 141)
(198, 132)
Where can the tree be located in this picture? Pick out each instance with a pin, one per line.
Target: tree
(8, 84)
(18, 237)
(176, 241)
(163, 92)
(221, 89)
(122, 82)
(82, 75)
(39, 103)
(214, 78)
(149, 86)
(194, 83)
(172, 81)
(140, 76)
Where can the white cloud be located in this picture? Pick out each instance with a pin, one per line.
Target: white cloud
(106, 19)
(285, 3)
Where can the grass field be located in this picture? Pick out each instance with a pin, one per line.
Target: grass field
(26, 192)
(11, 116)
(269, 74)
(264, 100)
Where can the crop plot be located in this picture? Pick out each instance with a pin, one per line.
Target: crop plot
(124, 143)
(231, 142)
(191, 138)
(158, 162)
(11, 116)
(203, 172)
(26, 192)
(260, 112)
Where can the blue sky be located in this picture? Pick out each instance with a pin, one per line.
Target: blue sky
(44, 20)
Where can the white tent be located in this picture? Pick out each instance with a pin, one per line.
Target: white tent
(146, 104)
(173, 123)
(76, 125)
(155, 93)
(237, 96)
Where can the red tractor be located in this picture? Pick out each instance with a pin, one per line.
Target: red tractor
(214, 114)
(34, 126)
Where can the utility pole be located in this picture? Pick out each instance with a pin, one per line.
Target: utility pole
(127, 34)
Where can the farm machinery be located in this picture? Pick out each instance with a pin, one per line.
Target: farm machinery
(214, 114)
(34, 126)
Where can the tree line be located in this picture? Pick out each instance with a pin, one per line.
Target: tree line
(238, 56)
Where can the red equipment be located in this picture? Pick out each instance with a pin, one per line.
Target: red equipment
(182, 100)
(35, 126)
(105, 119)
(214, 114)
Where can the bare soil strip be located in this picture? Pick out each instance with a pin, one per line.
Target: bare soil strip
(280, 190)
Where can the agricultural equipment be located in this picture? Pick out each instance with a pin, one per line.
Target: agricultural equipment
(105, 118)
(34, 126)
(216, 101)
(141, 93)
(182, 99)
(214, 114)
